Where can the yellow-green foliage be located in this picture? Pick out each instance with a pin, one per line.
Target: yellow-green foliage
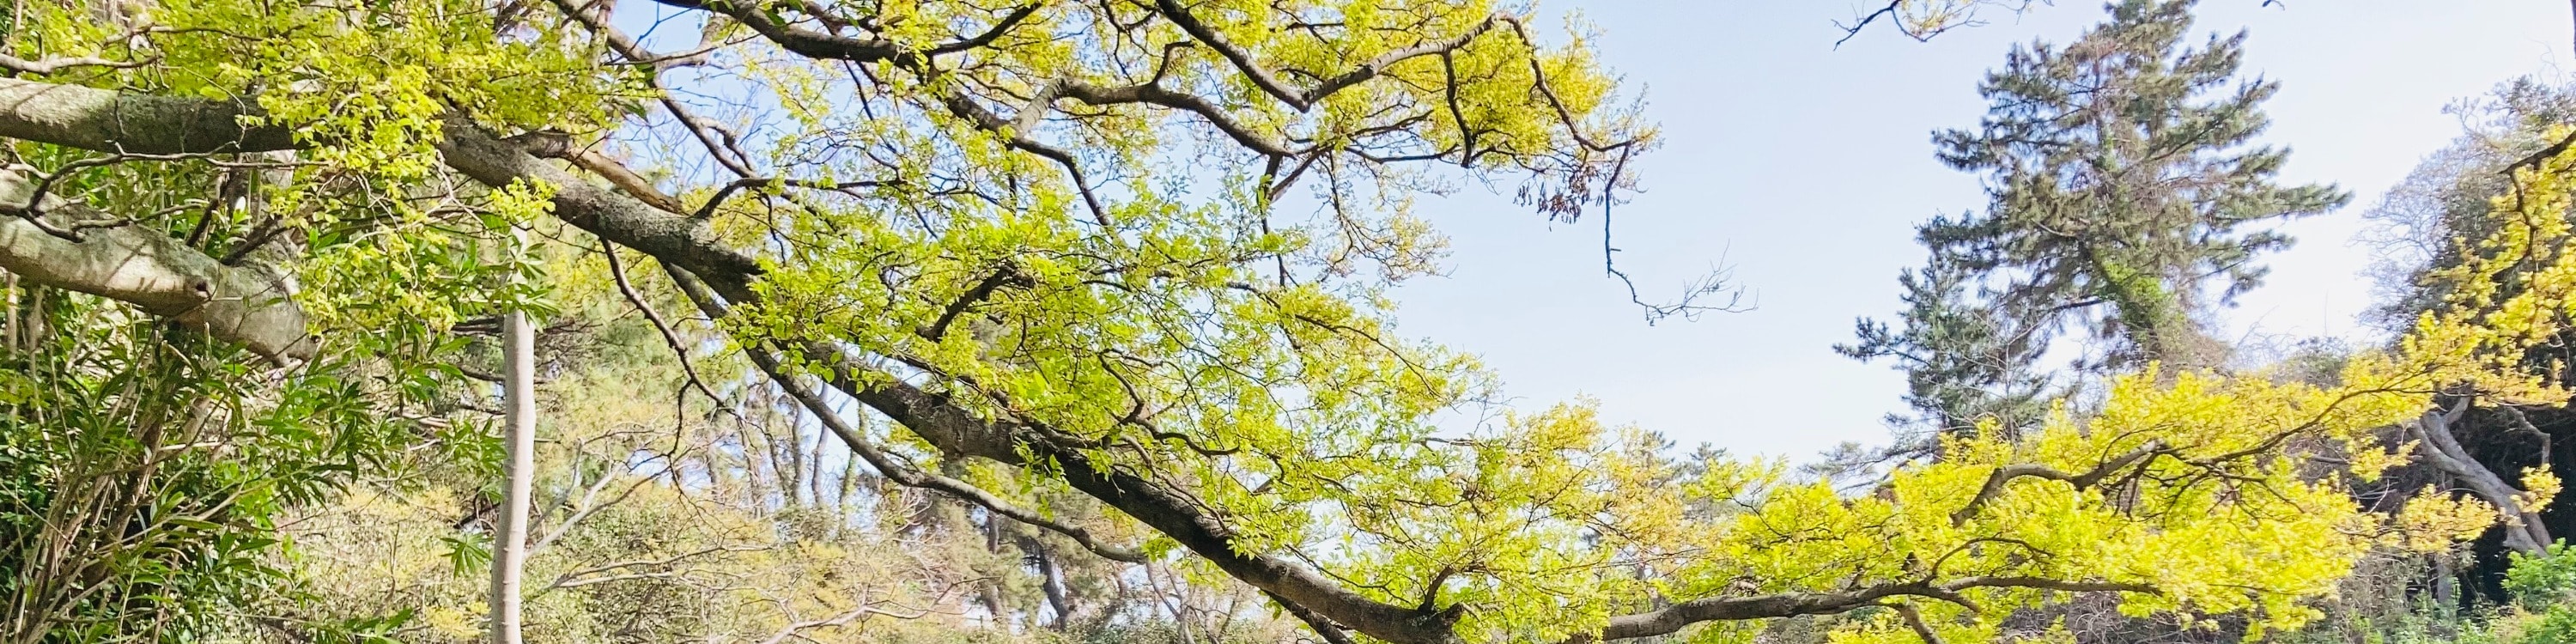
(2200, 489)
(1167, 311)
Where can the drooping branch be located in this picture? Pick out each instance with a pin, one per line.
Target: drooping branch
(962, 432)
(894, 469)
(956, 430)
(670, 338)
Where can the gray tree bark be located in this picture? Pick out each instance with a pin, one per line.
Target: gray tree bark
(141, 266)
(510, 538)
(2523, 531)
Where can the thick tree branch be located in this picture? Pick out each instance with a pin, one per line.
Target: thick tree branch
(125, 122)
(141, 266)
(2523, 531)
(112, 121)
(670, 236)
(887, 464)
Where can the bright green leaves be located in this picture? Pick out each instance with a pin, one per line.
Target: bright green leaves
(361, 215)
(370, 84)
(1163, 341)
(2512, 291)
(1007, 232)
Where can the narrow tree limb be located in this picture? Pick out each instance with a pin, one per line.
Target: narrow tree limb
(1672, 619)
(2044, 583)
(2004, 475)
(1305, 99)
(1153, 93)
(557, 145)
(583, 577)
(671, 338)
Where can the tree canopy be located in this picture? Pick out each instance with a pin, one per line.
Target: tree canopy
(1115, 276)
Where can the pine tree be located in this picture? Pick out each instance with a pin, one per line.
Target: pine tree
(1964, 361)
(2123, 178)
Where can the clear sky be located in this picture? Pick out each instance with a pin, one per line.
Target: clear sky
(1804, 168)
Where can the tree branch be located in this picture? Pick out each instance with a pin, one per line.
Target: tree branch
(124, 122)
(894, 469)
(2004, 475)
(2523, 531)
(140, 266)
(1303, 100)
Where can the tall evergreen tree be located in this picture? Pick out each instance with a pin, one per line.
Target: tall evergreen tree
(1964, 361)
(2123, 179)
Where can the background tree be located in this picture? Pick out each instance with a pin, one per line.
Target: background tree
(1966, 360)
(2123, 178)
(2434, 224)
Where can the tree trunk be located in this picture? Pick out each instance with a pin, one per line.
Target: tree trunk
(510, 539)
(2446, 586)
(2523, 531)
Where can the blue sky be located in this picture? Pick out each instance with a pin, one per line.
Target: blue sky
(1803, 168)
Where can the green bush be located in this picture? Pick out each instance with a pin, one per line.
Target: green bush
(2557, 626)
(2537, 582)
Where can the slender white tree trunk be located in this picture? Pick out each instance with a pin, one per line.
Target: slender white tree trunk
(510, 539)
